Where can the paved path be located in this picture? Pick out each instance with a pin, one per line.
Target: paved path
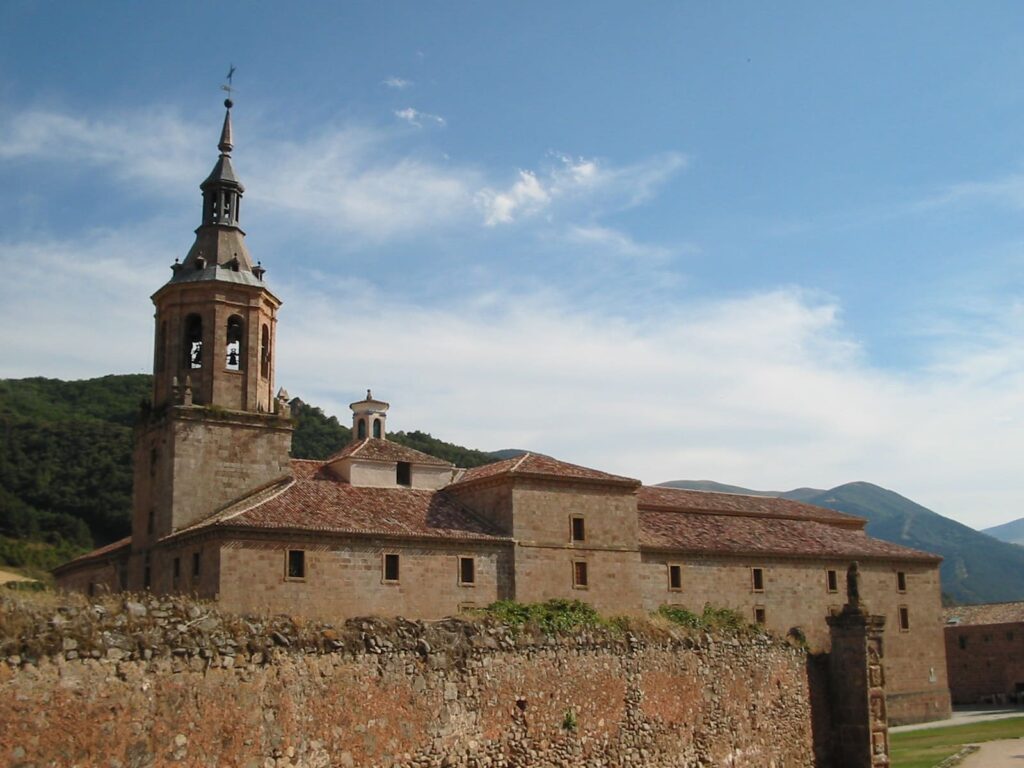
(1008, 753)
(965, 716)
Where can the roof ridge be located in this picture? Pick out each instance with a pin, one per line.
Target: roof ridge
(522, 458)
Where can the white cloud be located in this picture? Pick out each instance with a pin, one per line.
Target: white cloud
(416, 118)
(572, 179)
(526, 196)
(766, 390)
(398, 83)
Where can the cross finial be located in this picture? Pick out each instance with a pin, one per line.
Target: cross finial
(229, 86)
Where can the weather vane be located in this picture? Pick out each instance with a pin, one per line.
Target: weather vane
(229, 87)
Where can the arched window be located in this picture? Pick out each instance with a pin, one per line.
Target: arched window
(376, 428)
(233, 353)
(161, 347)
(193, 341)
(265, 353)
(361, 429)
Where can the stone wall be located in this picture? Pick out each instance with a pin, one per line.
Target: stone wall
(167, 682)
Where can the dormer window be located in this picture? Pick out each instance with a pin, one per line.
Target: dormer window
(403, 473)
(361, 429)
(376, 429)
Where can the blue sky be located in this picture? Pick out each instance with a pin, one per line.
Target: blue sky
(768, 245)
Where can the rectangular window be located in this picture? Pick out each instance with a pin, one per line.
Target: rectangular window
(391, 568)
(195, 564)
(467, 571)
(904, 619)
(579, 574)
(962, 642)
(901, 581)
(757, 579)
(177, 568)
(296, 564)
(759, 615)
(403, 473)
(675, 578)
(832, 580)
(578, 529)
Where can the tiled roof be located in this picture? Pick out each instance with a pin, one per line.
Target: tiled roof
(539, 465)
(682, 500)
(313, 500)
(729, 534)
(114, 548)
(990, 613)
(376, 449)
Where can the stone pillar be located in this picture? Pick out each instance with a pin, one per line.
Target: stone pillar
(857, 683)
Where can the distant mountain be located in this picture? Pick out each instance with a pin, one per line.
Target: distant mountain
(1012, 532)
(976, 568)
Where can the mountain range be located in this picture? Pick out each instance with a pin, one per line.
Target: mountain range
(65, 483)
(977, 568)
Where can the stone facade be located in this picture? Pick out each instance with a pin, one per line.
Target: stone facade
(221, 512)
(985, 653)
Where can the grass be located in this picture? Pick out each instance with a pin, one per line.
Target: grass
(930, 746)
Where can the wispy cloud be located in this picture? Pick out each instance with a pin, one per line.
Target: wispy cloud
(398, 83)
(765, 390)
(617, 242)
(572, 178)
(417, 118)
(1007, 190)
(153, 145)
(352, 178)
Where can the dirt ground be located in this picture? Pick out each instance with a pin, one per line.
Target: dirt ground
(6, 576)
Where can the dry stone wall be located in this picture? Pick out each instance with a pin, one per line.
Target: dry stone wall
(157, 682)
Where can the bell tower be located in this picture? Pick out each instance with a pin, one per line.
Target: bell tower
(215, 317)
(214, 430)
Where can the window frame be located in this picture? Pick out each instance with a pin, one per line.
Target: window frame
(384, 560)
(197, 562)
(757, 579)
(831, 580)
(581, 521)
(760, 615)
(403, 471)
(903, 614)
(675, 569)
(901, 582)
(288, 564)
(580, 567)
(462, 559)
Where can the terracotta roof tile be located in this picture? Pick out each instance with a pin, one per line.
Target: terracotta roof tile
(990, 613)
(728, 534)
(683, 500)
(539, 465)
(319, 502)
(376, 449)
(99, 553)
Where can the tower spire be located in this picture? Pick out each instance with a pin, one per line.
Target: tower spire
(226, 143)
